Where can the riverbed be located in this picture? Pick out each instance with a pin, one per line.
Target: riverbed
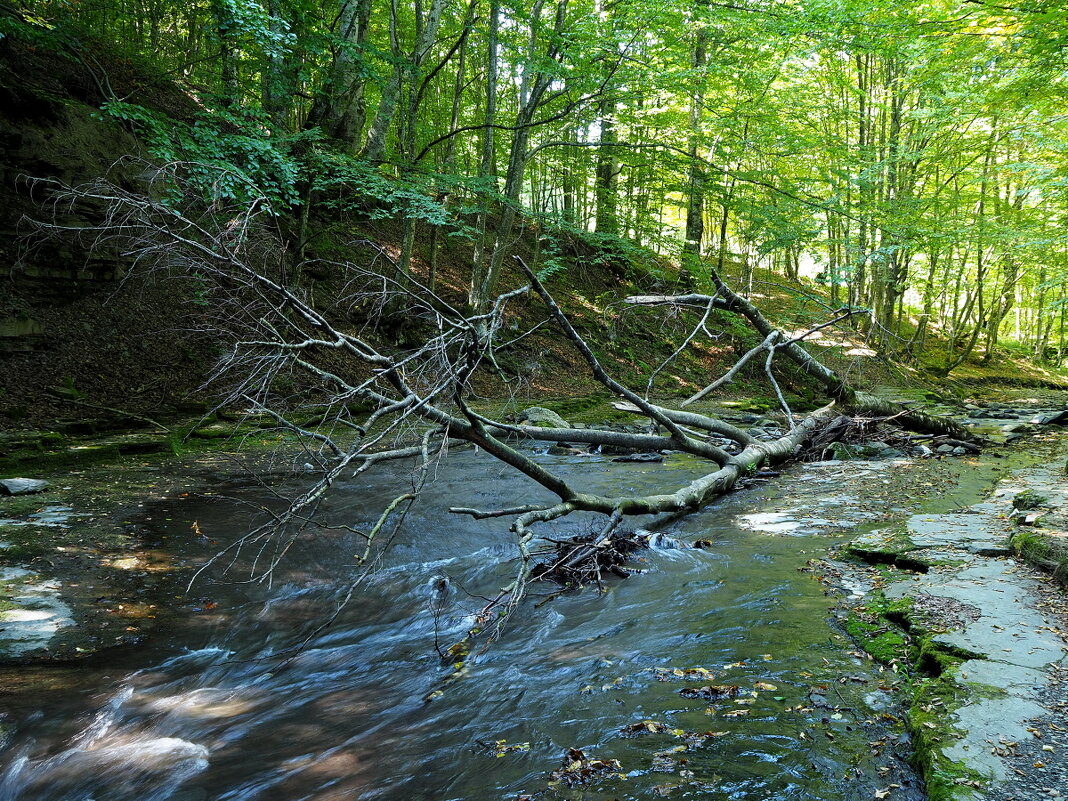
(251, 696)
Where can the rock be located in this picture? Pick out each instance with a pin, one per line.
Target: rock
(841, 451)
(22, 486)
(879, 450)
(1051, 418)
(959, 451)
(922, 451)
(544, 418)
(1026, 518)
(640, 457)
(564, 449)
(864, 450)
(947, 449)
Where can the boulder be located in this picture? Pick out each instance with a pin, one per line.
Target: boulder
(22, 486)
(1051, 418)
(543, 418)
(640, 457)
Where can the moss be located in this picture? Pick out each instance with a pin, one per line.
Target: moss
(1029, 499)
(929, 713)
(878, 635)
(23, 505)
(891, 573)
(38, 461)
(1042, 551)
(890, 633)
(889, 549)
(935, 659)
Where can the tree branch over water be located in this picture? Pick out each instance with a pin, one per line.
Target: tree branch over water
(326, 374)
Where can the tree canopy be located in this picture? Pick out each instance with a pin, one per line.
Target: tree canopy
(911, 157)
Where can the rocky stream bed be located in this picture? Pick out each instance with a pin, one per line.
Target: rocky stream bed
(958, 669)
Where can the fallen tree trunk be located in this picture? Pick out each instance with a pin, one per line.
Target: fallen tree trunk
(776, 340)
(385, 403)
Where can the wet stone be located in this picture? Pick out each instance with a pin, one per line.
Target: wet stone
(22, 486)
(640, 457)
(1051, 418)
(970, 532)
(989, 721)
(986, 673)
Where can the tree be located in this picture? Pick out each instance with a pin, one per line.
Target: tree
(374, 402)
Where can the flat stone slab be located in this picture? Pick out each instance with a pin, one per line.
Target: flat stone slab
(999, 622)
(1009, 628)
(987, 723)
(975, 533)
(22, 486)
(983, 674)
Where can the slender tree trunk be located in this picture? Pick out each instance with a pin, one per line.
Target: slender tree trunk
(487, 168)
(695, 199)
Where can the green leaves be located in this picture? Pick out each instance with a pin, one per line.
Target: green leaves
(225, 153)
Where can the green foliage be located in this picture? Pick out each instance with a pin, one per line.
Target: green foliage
(908, 170)
(224, 154)
(351, 184)
(247, 21)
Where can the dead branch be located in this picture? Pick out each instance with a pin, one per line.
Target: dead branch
(377, 402)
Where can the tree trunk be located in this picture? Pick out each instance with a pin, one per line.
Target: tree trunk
(339, 110)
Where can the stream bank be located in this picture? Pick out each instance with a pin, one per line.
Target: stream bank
(981, 635)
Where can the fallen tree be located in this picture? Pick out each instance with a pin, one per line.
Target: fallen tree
(377, 402)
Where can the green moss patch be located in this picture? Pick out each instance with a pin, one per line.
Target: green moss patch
(931, 709)
(876, 628)
(1046, 551)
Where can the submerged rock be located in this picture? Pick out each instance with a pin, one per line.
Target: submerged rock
(640, 457)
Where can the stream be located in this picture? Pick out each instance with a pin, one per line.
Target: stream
(224, 709)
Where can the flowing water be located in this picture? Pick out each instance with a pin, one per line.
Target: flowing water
(223, 710)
